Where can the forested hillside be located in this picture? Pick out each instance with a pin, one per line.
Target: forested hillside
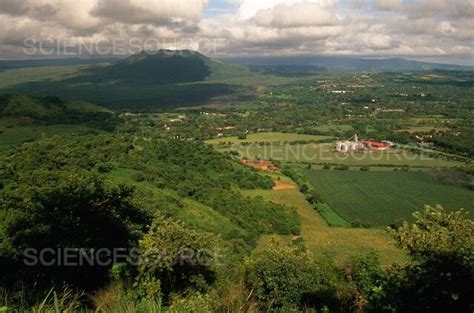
(51, 110)
(71, 193)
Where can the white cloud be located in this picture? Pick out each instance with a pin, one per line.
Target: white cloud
(388, 5)
(88, 14)
(356, 27)
(150, 11)
(295, 15)
(249, 8)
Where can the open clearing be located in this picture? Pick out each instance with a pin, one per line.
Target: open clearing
(382, 198)
(268, 137)
(283, 186)
(331, 242)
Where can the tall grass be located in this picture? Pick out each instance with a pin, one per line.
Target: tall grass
(117, 299)
(64, 300)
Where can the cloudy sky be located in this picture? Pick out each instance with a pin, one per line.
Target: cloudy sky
(440, 30)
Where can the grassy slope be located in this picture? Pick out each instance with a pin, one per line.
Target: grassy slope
(381, 198)
(187, 210)
(323, 240)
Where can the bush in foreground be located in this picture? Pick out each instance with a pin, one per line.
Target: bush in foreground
(440, 276)
(285, 278)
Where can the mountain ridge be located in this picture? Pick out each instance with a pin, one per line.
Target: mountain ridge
(328, 62)
(348, 63)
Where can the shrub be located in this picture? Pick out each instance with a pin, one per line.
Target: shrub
(175, 258)
(283, 277)
(81, 212)
(242, 136)
(363, 277)
(304, 188)
(440, 276)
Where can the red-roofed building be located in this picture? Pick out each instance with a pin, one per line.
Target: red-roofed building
(259, 164)
(376, 145)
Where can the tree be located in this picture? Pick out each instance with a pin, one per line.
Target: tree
(440, 276)
(81, 212)
(363, 279)
(175, 258)
(313, 197)
(304, 188)
(242, 136)
(285, 277)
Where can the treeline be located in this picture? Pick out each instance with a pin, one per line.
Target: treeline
(461, 143)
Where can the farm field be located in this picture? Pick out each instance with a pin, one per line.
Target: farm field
(267, 137)
(337, 243)
(382, 198)
(322, 153)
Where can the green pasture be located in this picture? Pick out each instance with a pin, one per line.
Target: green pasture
(382, 198)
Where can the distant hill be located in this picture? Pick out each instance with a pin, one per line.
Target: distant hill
(51, 110)
(289, 70)
(169, 67)
(160, 67)
(144, 81)
(347, 63)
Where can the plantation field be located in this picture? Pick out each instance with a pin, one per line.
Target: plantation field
(324, 241)
(268, 137)
(382, 198)
(323, 153)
